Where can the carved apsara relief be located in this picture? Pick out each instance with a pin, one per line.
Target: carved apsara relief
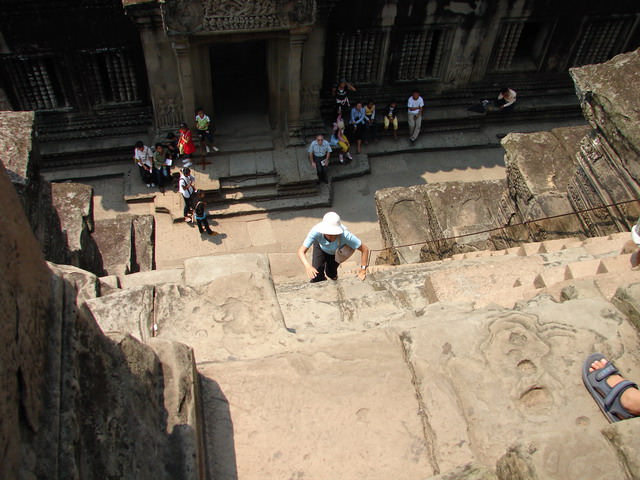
(258, 14)
(168, 112)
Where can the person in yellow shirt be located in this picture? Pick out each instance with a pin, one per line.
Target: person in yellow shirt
(204, 129)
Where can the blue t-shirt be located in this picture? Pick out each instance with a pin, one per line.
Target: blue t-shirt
(347, 238)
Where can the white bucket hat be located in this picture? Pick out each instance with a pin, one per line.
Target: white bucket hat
(330, 224)
(635, 233)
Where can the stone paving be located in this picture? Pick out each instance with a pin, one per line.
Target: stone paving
(280, 233)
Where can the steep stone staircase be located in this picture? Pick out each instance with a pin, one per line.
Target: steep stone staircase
(480, 279)
(465, 366)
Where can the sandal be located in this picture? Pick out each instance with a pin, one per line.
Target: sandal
(607, 398)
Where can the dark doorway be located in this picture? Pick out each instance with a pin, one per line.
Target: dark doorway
(239, 78)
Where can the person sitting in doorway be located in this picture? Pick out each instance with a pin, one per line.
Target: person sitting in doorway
(205, 130)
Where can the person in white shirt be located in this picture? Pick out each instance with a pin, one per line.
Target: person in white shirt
(506, 99)
(143, 157)
(415, 104)
(187, 188)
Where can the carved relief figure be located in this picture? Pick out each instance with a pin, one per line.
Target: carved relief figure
(183, 16)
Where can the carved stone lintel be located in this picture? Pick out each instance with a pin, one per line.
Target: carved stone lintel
(192, 16)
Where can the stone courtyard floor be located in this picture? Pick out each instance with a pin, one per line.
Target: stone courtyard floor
(279, 234)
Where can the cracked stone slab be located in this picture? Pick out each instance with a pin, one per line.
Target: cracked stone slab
(152, 277)
(126, 311)
(115, 243)
(201, 270)
(231, 316)
(627, 299)
(342, 305)
(349, 400)
(623, 437)
(74, 204)
(144, 235)
(507, 375)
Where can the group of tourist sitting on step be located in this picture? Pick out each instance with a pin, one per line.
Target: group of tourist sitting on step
(361, 123)
(155, 163)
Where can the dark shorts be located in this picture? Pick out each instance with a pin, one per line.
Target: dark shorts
(324, 263)
(357, 133)
(205, 135)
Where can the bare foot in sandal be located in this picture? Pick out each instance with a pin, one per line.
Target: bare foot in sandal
(630, 398)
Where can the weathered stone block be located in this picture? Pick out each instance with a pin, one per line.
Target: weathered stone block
(109, 284)
(73, 203)
(144, 234)
(85, 284)
(25, 293)
(16, 143)
(228, 316)
(115, 242)
(128, 311)
(406, 217)
(182, 402)
(627, 299)
(610, 97)
(152, 277)
(623, 436)
(202, 270)
(425, 214)
(540, 167)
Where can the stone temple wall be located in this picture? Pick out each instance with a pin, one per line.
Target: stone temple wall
(61, 214)
(591, 172)
(77, 403)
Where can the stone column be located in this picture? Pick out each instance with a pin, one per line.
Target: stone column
(182, 50)
(312, 74)
(160, 63)
(296, 44)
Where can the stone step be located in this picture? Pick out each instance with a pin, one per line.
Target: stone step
(584, 268)
(620, 263)
(172, 204)
(240, 182)
(549, 246)
(346, 349)
(609, 244)
(261, 193)
(280, 203)
(405, 291)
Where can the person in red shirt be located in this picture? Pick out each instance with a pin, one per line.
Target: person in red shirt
(185, 144)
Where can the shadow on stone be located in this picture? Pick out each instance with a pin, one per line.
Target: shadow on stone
(218, 431)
